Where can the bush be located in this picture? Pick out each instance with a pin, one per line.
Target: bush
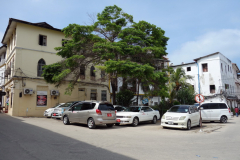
(124, 98)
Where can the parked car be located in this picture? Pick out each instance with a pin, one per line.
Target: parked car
(57, 113)
(91, 113)
(135, 114)
(119, 108)
(181, 116)
(212, 111)
(49, 111)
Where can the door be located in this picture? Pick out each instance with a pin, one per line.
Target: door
(215, 111)
(74, 113)
(145, 114)
(205, 112)
(84, 112)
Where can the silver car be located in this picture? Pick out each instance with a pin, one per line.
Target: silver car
(90, 113)
(57, 112)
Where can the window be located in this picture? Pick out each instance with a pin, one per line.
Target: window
(42, 40)
(205, 67)
(226, 86)
(222, 66)
(82, 71)
(188, 69)
(103, 76)
(205, 106)
(87, 106)
(92, 73)
(77, 107)
(106, 107)
(230, 69)
(104, 95)
(146, 109)
(225, 68)
(222, 106)
(93, 95)
(212, 88)
(81, 89)
(41, 63)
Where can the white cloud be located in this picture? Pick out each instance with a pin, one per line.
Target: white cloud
(226, 41)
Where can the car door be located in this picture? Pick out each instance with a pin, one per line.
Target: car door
(150, 113)
(73, 114)
(144, 113)
(192, 115)
(197, 114)
(205, 112)
(84, 112)
(215, 111)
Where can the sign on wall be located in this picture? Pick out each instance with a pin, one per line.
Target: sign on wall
(41, 98)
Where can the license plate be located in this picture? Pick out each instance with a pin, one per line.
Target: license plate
(109, 114)
(170, 122)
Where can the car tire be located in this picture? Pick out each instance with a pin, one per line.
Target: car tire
(91, 123)
(117, 124)
(66, 120)
(164, 127)
(188, 124)
(135, 122)
(109, 125)
(154, 121)
(223, 119)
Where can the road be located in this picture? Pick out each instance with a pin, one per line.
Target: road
(46, 138)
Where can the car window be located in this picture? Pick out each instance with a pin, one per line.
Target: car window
(191, 110)
(132, 109)
(67, 104)
(77, 107)
(195, 108)
(205, 106)
(222, 106)
(105, 107)
(119, 108)
(146, 109)
(213, 105)
(87, 106)
(179, 109)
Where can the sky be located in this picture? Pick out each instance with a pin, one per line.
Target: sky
(195, 27)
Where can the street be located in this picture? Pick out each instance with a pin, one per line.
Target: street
(46, 138)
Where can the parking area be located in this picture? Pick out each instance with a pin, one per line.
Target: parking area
(149, 141)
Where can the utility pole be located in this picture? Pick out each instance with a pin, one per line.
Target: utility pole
(199, 98)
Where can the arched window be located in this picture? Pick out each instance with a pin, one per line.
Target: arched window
(92, 73)
(82, 71)
(41, 63)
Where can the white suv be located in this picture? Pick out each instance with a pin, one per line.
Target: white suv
(211, 111)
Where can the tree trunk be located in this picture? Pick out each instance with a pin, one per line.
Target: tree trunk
(138, 90)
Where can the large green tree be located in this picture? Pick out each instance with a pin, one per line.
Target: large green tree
(117, 44)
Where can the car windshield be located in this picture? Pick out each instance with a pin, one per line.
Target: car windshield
(57, 106)
(67, 104)
(179, 109)
(132, 109)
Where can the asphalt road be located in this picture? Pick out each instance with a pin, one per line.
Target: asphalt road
(46, 138)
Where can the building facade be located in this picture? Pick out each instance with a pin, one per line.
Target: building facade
(30, 46)
(2, 70)
(217, 75)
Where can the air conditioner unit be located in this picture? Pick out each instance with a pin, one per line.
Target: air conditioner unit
(28, 91)
(54, 92)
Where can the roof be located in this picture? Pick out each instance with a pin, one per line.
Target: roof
(182, 64)
(3, 49)
(12, 22)
(210, 55)
(236, 67)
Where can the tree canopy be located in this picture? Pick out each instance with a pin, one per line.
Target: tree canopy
(115, 44)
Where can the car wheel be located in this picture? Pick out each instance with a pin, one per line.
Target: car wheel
(135, 122)
(117, 124)
(223, 119)
(66, 120)
(91, 123)
(154, 121)
(188, 125)
(109, 125)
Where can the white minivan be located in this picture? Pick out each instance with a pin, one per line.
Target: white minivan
(215, 111)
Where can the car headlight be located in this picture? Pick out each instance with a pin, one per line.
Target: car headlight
(163, 117)
(127, 117)
(182, 118)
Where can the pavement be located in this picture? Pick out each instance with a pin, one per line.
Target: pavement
(145, 142)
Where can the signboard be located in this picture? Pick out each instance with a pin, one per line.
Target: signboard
(41, 98)
(199, 98)
(145, 101)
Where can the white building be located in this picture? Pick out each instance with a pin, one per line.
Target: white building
(2, 69)
(217, 75)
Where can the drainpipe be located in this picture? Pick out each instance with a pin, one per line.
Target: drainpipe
(199, 95)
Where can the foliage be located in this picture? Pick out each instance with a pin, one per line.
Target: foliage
(115, 44)
(186, 95)
(176, 103)
(124, 98)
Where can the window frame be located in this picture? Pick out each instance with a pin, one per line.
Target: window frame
(41, 40)
(40, 65)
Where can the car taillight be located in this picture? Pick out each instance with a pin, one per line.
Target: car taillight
(229, 110)
(98, 112)
(115, 111)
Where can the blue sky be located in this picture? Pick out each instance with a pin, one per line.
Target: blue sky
(195, 28)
